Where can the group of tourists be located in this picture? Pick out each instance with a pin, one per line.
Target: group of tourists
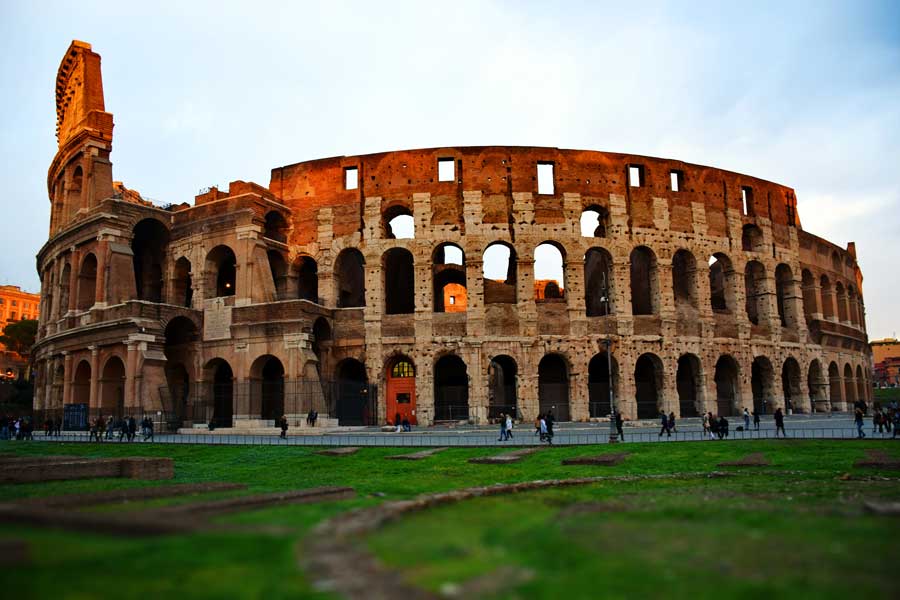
(716, 427)
(668, 424)
(101, 428)
(506, 427)
(884, 419)
(16, 428)
(543, 426)
(52, 427)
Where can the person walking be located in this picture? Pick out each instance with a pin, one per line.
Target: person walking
(543, 429)
(723, 427)
(502, 437)
(537, 426)
(110, 425)
(705, 424)
(779, 422)
(284, 427)
(550, 422)
(746, 419)
(755, 420)
(148, 429)
(858, 419)
(509, 426)
(132, 428)
(618, 417)
(664, 422)
(878, 421)
(896, 423)
(672, 423)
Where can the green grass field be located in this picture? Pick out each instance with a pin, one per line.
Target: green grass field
(774, 533)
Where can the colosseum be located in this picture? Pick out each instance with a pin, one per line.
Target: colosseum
(414, 283)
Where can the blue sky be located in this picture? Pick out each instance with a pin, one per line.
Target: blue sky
(806, 94)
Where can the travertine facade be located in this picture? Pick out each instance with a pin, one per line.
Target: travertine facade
(307, 294)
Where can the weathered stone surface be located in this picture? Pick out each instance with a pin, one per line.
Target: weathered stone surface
(609, 459)
(342, 451)
(878, 459)
(416, 455)
(57, 469)
(505, 458)
(755, 459)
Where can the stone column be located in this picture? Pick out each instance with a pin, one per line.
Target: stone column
(94, 402)
(100, 295)
(67, 378)
(132, 403)
(475, 313)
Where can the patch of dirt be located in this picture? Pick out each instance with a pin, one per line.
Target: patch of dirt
(607, 460)
(343, 451)
(505, 458)
(417, 455)
(132, 495)
(878, 459)
(254, 501)
(756, 459)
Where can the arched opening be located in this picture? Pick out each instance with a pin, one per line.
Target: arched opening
(598, 283)
(790, 383)
(87, 283)
(275, 227)
(762, 382)
(836, 262)
(499, 269)
(860, 384)
(398, 223)
(350, 279)
(279, 270)
(307, 272)
(182, 285)
(81, 383)
(648, 384)
(448, 274)
(840, 297)
(594, 221)
(112, 388)
(401, 390)
(549, 275)
(553, 386)
(835, 389)
(827, 297)
(816, 385)
(721, 283)
(755, 291)
(809, 295)
(399, 282)
(267, 388)
(726, 377)
(689, 384)
(179, 349)
(149, 245)
(73, 192)
(64, 291)
(785, 295)
(752, 239)
(321, 343)
(853, 305)
(599, 382)
(451, 389)
(221, 263)
(502, 392)
(355, 401)
(849, 389)
(684, 284)
(219, 371)
(644, 282)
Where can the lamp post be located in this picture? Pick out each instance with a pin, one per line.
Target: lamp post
(604, 298)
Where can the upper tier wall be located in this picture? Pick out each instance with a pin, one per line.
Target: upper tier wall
(499, 172)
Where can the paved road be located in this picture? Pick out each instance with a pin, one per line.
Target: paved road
(798, 427)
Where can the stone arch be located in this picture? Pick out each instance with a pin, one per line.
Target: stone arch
(353, 399)
(350, 279)
(599, 382)
(279, 270)
(827, 297)
(849, 389)
(321, 343)
(397, 266)
(722, 283)
(644, 282)
(64, 291)
(860, 384)
(182, 284)
(549, 271)
(809, 295)
(451, 389)
(852, 305)
(755, 292)
(836, 262)
(112, 387)
(81, 383)
(503, 376)
(790, 383)
(553, 386)
(835, 389)
(266, 388)
(816, 384)
(220, 408)
(275, 227)
(599, 282)
(306, 271)
(762, 382)
(594, 221)
(752, 239)
(448, 275)
(726, 378)
(785, 295)
(689, 384)
(149, 245)
(87, 283)
(221, 264)
(840, 297)
(398, 222)
(500, 273)
(649, 384)
(684, 284)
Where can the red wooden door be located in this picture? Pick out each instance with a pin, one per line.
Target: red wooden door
(401, 392)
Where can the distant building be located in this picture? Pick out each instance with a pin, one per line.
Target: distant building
(886, 356)
(15, 305)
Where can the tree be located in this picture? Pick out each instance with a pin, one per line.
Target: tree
(18, 336)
